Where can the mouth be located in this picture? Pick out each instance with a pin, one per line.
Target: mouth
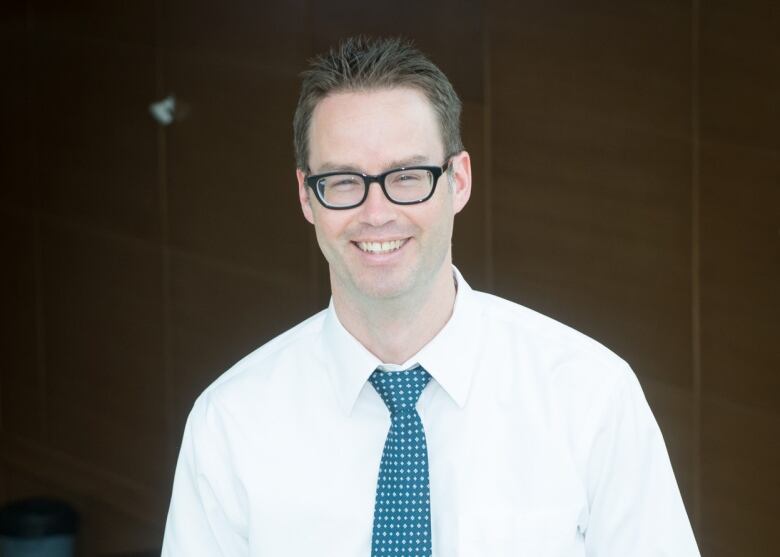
(380, 248)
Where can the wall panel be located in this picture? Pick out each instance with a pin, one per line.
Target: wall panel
(96, 144)
(16, 156)
(232, 194)
(740, 274)
(591, 159)
(247, 33)
(591, 171)
(22, 410)
(102, 304)
(739, 479)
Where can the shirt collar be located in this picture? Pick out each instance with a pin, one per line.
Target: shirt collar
(450, 357)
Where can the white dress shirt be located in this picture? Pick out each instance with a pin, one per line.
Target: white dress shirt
(540, 444)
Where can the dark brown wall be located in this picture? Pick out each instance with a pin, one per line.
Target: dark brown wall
(627, 182)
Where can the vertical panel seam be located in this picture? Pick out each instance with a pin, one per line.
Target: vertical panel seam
(696, 261)
(169, 387)
(487, 174)
(40, 309)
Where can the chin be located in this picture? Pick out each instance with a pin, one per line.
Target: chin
(383, 287)
(383, 291)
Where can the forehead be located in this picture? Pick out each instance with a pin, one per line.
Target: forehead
(371, 128)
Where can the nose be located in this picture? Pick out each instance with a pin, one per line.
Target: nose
(377, 209)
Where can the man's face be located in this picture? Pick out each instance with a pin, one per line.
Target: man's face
(371, 132)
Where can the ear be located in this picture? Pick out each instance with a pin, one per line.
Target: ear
(461, 176)
(304, 195)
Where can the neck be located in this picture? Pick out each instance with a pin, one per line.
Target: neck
(396, 329)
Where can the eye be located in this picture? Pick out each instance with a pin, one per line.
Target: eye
(341, 181)
(408, 177)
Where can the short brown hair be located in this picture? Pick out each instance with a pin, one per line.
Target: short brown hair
(361, 63)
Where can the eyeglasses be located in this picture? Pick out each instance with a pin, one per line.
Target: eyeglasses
(402, 186)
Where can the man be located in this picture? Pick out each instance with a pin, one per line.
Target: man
(415, 416)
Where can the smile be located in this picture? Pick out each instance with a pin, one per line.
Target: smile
(380, 247)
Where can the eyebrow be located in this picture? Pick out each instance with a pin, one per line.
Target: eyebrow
(401, 163)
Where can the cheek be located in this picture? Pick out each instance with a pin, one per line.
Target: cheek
(325, 245)
(439, 219)
(329, 230)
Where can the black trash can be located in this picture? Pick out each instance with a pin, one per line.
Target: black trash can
(38, 528)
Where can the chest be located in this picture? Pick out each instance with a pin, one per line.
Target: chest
(502, 483)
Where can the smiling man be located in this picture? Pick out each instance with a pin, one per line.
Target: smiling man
(415, 416)
(390, 263)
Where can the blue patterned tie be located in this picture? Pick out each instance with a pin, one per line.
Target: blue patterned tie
(402, 513)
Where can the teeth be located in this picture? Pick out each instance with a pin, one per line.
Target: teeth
(380, 247)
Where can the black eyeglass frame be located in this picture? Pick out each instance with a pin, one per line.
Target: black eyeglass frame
(436, 172)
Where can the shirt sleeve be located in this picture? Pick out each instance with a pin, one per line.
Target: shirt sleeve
(635, 504)
(207, 514)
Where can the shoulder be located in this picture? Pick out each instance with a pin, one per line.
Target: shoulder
(276, 363)
(537, 331)
(560, 358)
(573, 382)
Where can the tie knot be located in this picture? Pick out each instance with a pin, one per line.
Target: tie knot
(400, 389)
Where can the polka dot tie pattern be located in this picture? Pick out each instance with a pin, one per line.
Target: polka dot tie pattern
(402, 512)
